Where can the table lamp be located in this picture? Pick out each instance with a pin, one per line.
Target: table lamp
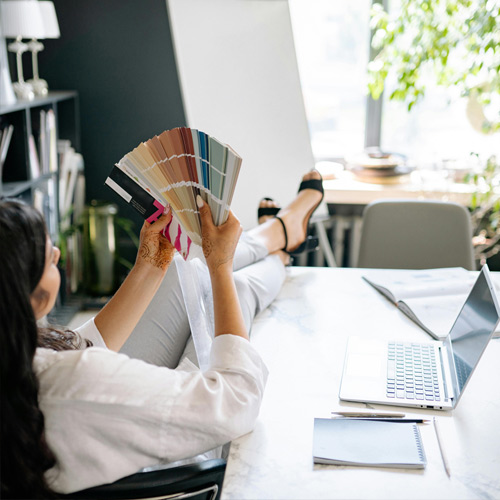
(51, 30)
(21, 19)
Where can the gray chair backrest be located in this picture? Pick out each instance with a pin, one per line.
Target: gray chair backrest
(411, 234)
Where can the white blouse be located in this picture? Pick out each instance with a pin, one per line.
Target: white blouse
(108, 416)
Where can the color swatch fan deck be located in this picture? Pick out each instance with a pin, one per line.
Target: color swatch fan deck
(173, 168)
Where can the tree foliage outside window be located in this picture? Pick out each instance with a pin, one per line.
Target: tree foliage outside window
(455, 42)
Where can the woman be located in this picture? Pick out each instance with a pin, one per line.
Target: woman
(75, 416)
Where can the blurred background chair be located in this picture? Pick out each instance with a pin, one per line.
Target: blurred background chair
(198, 481)
(411, 234)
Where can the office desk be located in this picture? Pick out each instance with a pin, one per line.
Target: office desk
(346, 190)
(302, 338)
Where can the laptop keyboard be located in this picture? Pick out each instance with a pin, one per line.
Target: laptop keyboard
(463, 370)
(412, 372)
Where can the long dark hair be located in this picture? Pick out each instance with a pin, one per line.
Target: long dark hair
(25, 455)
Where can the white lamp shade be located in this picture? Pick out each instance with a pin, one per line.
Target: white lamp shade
(21, 18)
(50, 24)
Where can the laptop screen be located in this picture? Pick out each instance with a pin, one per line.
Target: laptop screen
(473, 329)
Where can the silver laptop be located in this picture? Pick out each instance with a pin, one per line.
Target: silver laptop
(431, 374)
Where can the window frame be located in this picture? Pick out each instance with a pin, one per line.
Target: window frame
(374, 108)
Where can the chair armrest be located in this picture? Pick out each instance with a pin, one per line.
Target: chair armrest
(186, 479)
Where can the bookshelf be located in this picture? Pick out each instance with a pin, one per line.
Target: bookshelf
(31, 170)
(38, 184)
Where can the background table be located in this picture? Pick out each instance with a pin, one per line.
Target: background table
(346, 190)
(302, 337)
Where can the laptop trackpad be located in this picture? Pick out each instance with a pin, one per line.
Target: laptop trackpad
(364, 365)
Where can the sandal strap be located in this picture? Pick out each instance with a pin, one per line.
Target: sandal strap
(316, 184)
(263, 211)
(284, 231)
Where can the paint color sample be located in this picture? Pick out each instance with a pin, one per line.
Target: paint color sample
(173, 168)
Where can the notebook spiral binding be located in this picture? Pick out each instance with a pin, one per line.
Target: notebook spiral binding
(418, 439)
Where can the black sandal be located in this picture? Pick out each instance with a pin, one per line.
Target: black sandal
(264, 211)
(311, 242)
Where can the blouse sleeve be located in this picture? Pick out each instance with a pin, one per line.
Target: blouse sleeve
(115, 415)
(90, 332)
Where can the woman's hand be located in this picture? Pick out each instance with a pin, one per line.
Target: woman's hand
(119, 316)
(219, 243)
(154, 248)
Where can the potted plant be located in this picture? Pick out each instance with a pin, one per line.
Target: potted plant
(69, 233)
(485, 207)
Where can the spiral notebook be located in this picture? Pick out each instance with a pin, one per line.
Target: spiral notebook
(344, 441)
(173, 168)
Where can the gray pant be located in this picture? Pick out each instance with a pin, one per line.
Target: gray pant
(163, 335)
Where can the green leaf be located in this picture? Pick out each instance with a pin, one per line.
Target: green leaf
(436, 34)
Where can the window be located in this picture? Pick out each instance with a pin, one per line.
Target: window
(436, 130)
(332, 42)
(332, 46)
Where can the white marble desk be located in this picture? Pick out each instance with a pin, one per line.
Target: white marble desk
(302, 338)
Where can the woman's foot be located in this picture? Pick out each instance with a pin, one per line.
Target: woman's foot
(295, 217)
(268, 208)
(285, 258)
(288, 230)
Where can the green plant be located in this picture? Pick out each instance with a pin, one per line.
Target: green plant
(128, 227)
(67, 228)
(485, 206)
(454, 42)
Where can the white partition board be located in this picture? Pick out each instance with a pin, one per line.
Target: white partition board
(240, 83)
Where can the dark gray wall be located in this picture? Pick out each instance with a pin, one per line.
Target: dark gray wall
(118, 55)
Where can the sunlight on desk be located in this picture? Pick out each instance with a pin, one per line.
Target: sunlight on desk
(347, 190)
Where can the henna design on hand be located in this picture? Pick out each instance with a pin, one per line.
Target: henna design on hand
(227, 255)
(156, 251)
(207, 247)
(219, 258)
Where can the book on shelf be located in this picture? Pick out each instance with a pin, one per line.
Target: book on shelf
(432, 298)
(71, 168)
(358, 442)
(75, 244)
(52, 141)
(33, 158)
(172, 168)
(48, 142)
(71, 208)
(44, 196)
(5, 137)
(42, 142)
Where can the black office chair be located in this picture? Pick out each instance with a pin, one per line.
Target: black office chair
(199, 481)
